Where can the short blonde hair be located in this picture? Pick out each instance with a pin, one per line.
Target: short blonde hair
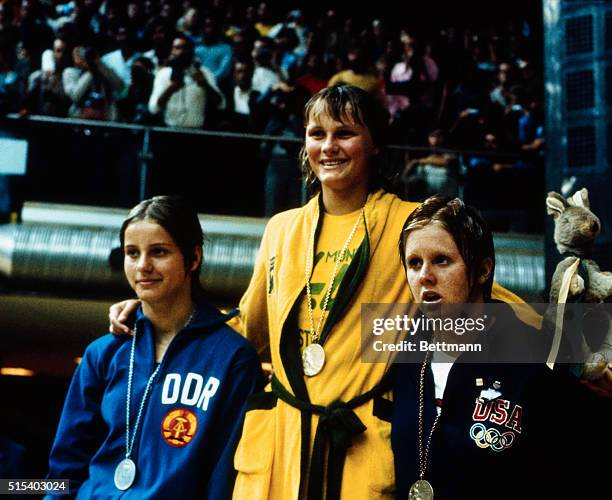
(347, 104)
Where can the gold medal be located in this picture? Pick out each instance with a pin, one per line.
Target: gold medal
(313, 359)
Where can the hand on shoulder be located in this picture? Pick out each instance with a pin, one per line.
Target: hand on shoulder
(119, 314)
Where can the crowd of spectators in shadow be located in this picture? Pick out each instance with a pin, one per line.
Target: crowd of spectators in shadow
(240, 67)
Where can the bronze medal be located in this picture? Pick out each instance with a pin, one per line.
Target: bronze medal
(421, 490)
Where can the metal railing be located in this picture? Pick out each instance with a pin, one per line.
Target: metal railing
(143, 151)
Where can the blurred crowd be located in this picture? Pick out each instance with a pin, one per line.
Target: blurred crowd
(231, 65)
(250, 67)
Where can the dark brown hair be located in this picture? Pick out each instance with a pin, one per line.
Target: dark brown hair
(180, 220)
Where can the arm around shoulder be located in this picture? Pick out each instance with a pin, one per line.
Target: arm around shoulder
(252, 322)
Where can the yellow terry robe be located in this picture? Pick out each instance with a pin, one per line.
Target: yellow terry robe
(270, 458)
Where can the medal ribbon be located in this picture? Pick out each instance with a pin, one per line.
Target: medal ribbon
(129, 444)
(314, 333)
(424, 454)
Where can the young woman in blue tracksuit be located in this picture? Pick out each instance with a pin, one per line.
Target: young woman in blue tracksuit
(158, 415)
(487, 427)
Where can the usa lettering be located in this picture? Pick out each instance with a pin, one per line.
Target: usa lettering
(190, 391)
(497, 411)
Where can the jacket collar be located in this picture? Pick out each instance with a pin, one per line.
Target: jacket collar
(206, 317)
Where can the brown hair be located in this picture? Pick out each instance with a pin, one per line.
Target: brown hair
(467, 228)
(180, 220)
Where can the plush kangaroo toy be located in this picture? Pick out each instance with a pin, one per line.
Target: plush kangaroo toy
(577, 278)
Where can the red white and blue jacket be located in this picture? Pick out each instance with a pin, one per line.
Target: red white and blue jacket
(524, 443)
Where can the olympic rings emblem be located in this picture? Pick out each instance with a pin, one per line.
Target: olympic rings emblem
(491, 438)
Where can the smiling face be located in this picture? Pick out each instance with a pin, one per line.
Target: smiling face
(435, 269)
(339, 153)
(154, 265)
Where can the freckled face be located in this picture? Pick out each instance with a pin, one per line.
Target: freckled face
(339, 153)
(436, 271)
(154, 265)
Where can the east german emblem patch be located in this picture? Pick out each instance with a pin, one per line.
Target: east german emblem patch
(179, 427)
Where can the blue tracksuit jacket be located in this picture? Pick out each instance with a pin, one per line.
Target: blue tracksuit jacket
(191, 421)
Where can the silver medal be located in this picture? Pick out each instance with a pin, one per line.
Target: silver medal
(421, 490)
(125, 473)
(313, 359)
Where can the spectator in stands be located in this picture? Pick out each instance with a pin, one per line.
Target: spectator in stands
(531, 127)
(375, 35)
(121, 59)
(493, 168)
(313, 74)
(250, 18)
(24, 65)
(468, 92)
(79, 21)
(134, 105)
(136, 20)
(190, 24)
(285, 57)
(214, 52)
(506, 78)
(411, 92)
(427, 103)
(397, 99)
(436, 173)
(294, 21)
(159, 37)
(242, 110)
(480, 55)
(463, 61)
(265, 19)
(283, 187)
(46, 94)
(91, 86)
(531, 79)
(184, 91)
(359, 71)
(315, 42)
(168, 10)
(9, 84)
(242, 41)
(34, 32)
(265, 76)
(342, 36)
(113, 17)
